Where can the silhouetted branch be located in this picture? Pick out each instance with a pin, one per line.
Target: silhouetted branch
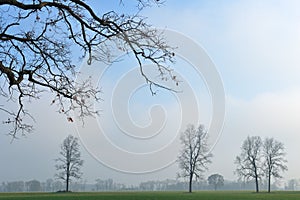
(35, 52)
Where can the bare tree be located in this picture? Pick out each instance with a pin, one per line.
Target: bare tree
(249, 163)
(274, 155)
(36, 53)
(195, 155)
(216, 180)
(292, 184)
(69, 163)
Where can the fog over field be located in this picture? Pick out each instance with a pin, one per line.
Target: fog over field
(254, 46)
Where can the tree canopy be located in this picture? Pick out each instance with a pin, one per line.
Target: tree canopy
(249, 163)
(194, 156)
(37, 52)
(216, 180)
(261, 158)
(69, 163)
(274, 159)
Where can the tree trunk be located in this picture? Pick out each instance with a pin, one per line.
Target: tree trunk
(190, 183)
(68, 175)
(67, 179)
(67, 184)
(256, 184)
(269, 182)
(256, 177)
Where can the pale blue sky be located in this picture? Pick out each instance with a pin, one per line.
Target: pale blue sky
(253, 43)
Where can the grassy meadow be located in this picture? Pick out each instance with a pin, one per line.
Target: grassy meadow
(154, 196)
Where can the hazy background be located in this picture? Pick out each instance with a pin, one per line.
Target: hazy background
(255, 46)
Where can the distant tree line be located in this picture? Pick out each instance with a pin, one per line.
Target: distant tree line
(176, 185)
(51, 185)
(31, 186)
(109, 185)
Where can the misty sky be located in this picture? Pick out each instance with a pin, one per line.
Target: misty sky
(254, 45)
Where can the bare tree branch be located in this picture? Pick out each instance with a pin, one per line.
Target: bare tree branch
(69, 163)
(274, 155)
(195, 155)
(37, 38)
(249, 163)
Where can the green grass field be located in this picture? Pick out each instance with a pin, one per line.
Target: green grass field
(154, 196)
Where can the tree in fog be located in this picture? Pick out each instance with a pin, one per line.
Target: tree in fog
(216, 180)
(194, 155)
(292, 184)
(33, 186)
(274, 159)
(249, 162)
(49, 185)
(38, 42)
(14, 186)
(69, 163)
(57, 186)
(103, 185)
